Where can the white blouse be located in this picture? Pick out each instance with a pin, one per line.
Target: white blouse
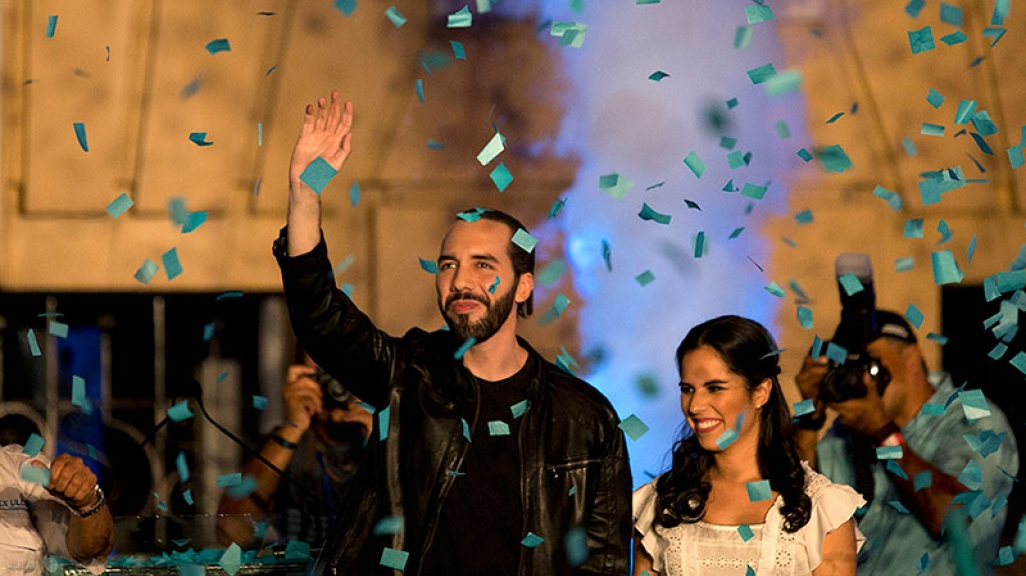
(707, 549)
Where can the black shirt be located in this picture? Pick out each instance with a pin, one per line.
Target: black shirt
(480, 525)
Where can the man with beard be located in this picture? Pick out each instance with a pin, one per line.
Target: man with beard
(485, 458)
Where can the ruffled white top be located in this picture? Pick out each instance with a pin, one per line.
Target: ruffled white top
(707, 549)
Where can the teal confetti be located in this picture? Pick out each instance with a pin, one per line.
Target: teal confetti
(743, 37)
(419, 87)
(194, 221)
(762, 73)
(33, 445)
(259, 402)
(944, 230)
(833, 158)
(914, 316)
(464, 348)
(735, 159)
(220, 45)
(183, 468)
(645, 278)
(51, 25)
(532, 540)
(889, 452)
(921, 40)
(389, 525)
(804, 155)
(997, 19)
(180, 412)
(784, 83)
(695, 164)
(551, 273)
(228, 294)
(458, 51)
(318, 174)
(945, 268)
(199, 139)
(732, 103)
(58, 329)
(80, 134)
(633, 427)
(519, 409)
(172, 267)
(498, 428)
(758, 13)
(753, 191)
(699, 244)
(78, 394)
(396, 18)
(384, 420)
(727, 142)
(231, 479)
(922, 480)
(782, 130)
(935, 98)
(491, 289)
(966, 109)
(893, 200)
(435, 145)
(607, 255)
(615, 185)
(759, 490)
(462, 18)
(260, 134)
(737, 232)
(524, 240)
(909, 146)
(805, 317)
(914, 7)
(931, 129)
(851, 283)
(804, 217)
(33, 343)
(775, 289)
(692, 205)
(40, 476)
(501, 177)
(997, 351)
(894, 468)
(658, 75)
(804, 407)
(346, 7)
(146, 272)
(726, 439)
(914, 228)
(951, 14)
(938, 338)
(835, 118)
(956, 37)
(647, 213)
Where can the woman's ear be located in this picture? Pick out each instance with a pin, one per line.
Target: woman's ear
(761, 394)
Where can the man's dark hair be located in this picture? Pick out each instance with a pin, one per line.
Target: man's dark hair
(523, 261)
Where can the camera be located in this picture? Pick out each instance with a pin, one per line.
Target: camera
(333, 393)
(860, 323)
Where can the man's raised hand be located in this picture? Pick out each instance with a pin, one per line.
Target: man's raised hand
(326, 133)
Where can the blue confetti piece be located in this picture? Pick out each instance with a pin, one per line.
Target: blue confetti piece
(30, 473)
(817, 347)
(498, 428)
(244, 488)
(759, 490)
(119, 205)
(633, 427)
(749, 571)
(945, 269)
(804, 407)
(836, 353)
(889, 453)
(762, 73)
(922, 480)
(80, 134)
(467, 345)
(658, 75)
(219, 45)
(199, 139)
(183, 468)
(804, 217)
(225, 480)
(928, 129)
(33, 445)
(172, 267)
(318, 174)
(524, 240)
(519, 409)
(951, 14)
(935, 98)
(354, 194)
(645, 278)
(805, 155)
(532, 540)
(58, 329)
(297, 550)
(899, 507)
(939, 338)
(834, 118)
(758, 13)
(179, 412)
(419, 87)
(194, 221)
(909, 146)
(693, 162)
(970, 250)
(458, 51)
(921, 40)
(966, 109)
(775, 289)
(893, 200)
(384, 416)
(1019, 362)
(753, 191)
(435, 145)
(51, 25)
(146, 272)
(647, 213)
(726, 439)
(260, 402)
(397, 19)
(462, 18)
(904, 264)
(914, 228)
(501, 177)
(997, 351)
(33, 343)
(228, 294)
(805, 317)
(743, 37)
(956, 37)
(746, 532)
(834, 158)
(231, 560)
(78, 394)
(971, 476)
(851, 284)
(187, 495)
(346, 7)
(914, 7)
(699, 244)
(429, 266)
(388, 525)
(914, 316)
(576, 543)
(974, 404)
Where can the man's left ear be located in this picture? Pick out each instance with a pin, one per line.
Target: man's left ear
(524, 287)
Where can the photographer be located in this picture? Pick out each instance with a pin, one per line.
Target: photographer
(318, 446)
(939, 507)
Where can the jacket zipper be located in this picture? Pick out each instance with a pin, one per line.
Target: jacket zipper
(449, 479)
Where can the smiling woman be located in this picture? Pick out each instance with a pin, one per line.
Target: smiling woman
(736, 471)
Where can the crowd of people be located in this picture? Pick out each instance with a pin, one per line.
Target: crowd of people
(482, 457)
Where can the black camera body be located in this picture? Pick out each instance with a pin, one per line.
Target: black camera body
(858, 327)
(333, 393)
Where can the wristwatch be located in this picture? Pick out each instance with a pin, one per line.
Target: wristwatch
(101, 501)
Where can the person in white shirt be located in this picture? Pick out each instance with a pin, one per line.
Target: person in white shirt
(737, 499)
(66, 517)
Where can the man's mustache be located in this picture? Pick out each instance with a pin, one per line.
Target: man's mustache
(466, 296)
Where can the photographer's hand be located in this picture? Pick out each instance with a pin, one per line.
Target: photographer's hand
(302, 396)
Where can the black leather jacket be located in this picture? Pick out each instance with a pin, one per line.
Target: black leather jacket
(568, 439)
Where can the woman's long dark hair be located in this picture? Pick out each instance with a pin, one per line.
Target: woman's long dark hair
(748, 350)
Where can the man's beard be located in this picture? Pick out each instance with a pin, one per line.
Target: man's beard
(485, 328)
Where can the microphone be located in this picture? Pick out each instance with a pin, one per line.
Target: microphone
(194, 390)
